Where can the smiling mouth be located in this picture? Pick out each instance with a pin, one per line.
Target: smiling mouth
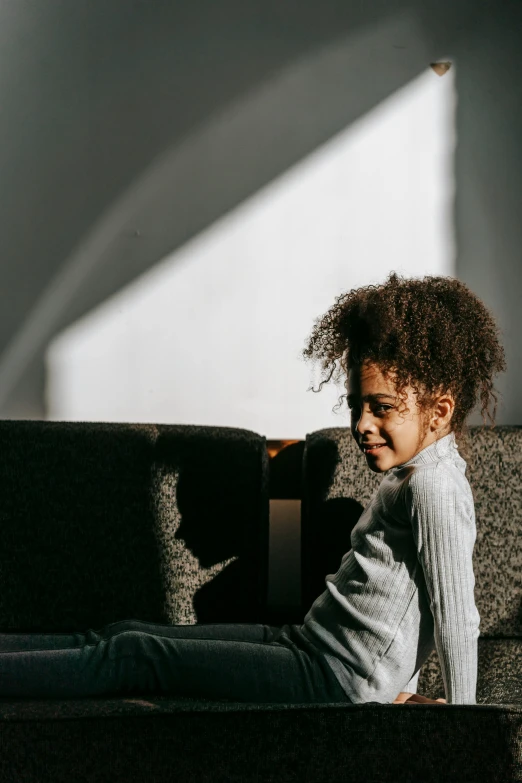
(373, 449)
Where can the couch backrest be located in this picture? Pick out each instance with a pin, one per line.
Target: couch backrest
(105, 522)
(337, 485)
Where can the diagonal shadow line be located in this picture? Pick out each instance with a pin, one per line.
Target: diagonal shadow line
(191, 186)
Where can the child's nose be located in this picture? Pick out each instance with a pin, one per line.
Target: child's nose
(366, 422)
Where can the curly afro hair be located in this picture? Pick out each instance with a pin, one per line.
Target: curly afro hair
(432, 334)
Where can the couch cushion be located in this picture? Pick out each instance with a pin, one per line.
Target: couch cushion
(499, 677)
(107, 522)
(337, 485)
(495, 476)
(237, 743)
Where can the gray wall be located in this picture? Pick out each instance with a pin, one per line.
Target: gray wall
(103, 103)
(489, 181)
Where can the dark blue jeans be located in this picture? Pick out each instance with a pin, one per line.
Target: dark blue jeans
(237, 662)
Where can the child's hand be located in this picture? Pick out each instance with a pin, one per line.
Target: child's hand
(402, 697)
(415, 698)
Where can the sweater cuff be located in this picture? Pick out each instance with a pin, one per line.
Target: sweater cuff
(411, 687)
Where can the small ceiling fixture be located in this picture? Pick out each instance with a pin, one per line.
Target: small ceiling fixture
(440, 68)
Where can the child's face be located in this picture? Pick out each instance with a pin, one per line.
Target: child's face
(376, 419)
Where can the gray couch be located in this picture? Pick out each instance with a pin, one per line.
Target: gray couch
(103, 522)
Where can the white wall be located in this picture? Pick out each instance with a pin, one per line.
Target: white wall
(213, 333)
(164, 118)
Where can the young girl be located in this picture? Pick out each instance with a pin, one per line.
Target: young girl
(416, 355)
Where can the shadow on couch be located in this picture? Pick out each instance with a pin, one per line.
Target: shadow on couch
(90, 513)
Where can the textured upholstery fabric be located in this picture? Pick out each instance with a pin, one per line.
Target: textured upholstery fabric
(107, 522)
(499, 676)
(337, 485)
(166, 740)
(495, 475)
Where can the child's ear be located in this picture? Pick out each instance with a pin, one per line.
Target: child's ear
(443, 412)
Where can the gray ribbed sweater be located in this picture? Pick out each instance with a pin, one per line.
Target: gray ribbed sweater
(406, 586)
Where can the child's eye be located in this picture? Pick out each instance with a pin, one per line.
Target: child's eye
(377, 408)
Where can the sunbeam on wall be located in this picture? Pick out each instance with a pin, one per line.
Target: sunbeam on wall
(213, 334)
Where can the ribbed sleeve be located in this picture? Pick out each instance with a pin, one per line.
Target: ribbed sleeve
(443, 524)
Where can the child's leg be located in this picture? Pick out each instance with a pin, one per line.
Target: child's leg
(240, 662)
